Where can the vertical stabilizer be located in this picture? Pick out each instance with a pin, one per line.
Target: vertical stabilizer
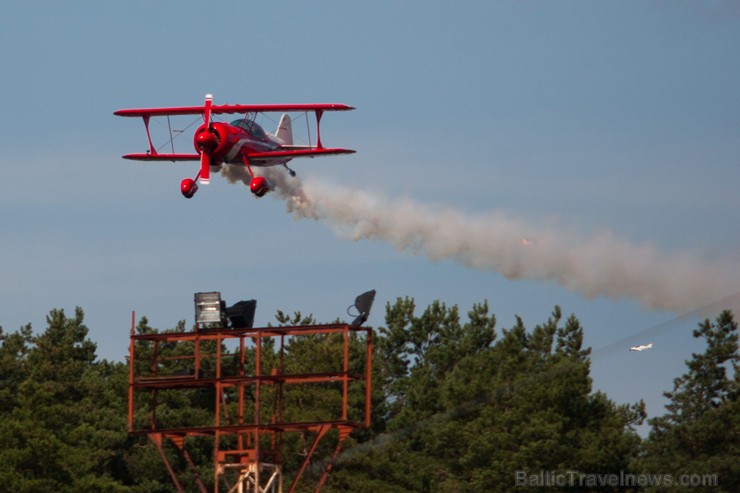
(284, 130)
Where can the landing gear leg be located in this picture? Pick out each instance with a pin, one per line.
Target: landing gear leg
(249, 168)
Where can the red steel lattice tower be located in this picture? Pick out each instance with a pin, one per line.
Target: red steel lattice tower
(248, 415)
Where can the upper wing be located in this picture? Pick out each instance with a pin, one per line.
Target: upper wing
(232, 108)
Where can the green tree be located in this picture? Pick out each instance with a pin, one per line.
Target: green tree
(470, 409)
(61, 433)
(417, 352)
(14, 350)
(700, 433)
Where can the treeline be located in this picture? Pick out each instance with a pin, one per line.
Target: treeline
(458, 406)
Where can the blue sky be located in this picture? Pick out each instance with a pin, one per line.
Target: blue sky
(577, 120)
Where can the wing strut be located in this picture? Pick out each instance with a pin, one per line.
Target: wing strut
(319, 114)
(152, 150)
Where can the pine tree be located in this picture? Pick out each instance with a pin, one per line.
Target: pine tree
(700, 433)
(14, 350)
(65, 429)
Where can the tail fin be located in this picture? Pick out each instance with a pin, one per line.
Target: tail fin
(284, 130)
(650, 345)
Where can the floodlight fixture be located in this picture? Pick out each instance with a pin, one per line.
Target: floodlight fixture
(363, 304)
(208, 308)
(241, 314)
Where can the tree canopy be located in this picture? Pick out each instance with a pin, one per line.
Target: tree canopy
(459, 405)
(700, 432)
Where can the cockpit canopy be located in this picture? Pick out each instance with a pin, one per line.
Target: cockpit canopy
(251, 127)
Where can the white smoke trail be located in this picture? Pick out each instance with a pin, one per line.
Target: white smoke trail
(600, 265)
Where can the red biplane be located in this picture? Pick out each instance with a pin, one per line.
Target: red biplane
(242, 142)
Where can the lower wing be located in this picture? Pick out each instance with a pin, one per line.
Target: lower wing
(289, 153)
(256, 157)
(162, 157)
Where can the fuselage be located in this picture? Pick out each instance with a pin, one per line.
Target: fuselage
(239, 138)
(642, 347)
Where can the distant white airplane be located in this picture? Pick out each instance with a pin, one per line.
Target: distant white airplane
(642, 347)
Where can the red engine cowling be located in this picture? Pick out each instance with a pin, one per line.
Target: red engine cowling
(213, 140)
(188, 187)
(259, 186)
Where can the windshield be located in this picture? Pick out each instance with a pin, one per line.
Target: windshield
(250, 127)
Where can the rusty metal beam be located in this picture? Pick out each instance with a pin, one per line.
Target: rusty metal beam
(343, 434)
(156, 438)
(131, 374)
(247, 433)
(321, 432)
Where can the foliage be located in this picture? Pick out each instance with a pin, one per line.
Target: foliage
(468, 409)
(700, 433)
(64, 430)
(458, 406)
